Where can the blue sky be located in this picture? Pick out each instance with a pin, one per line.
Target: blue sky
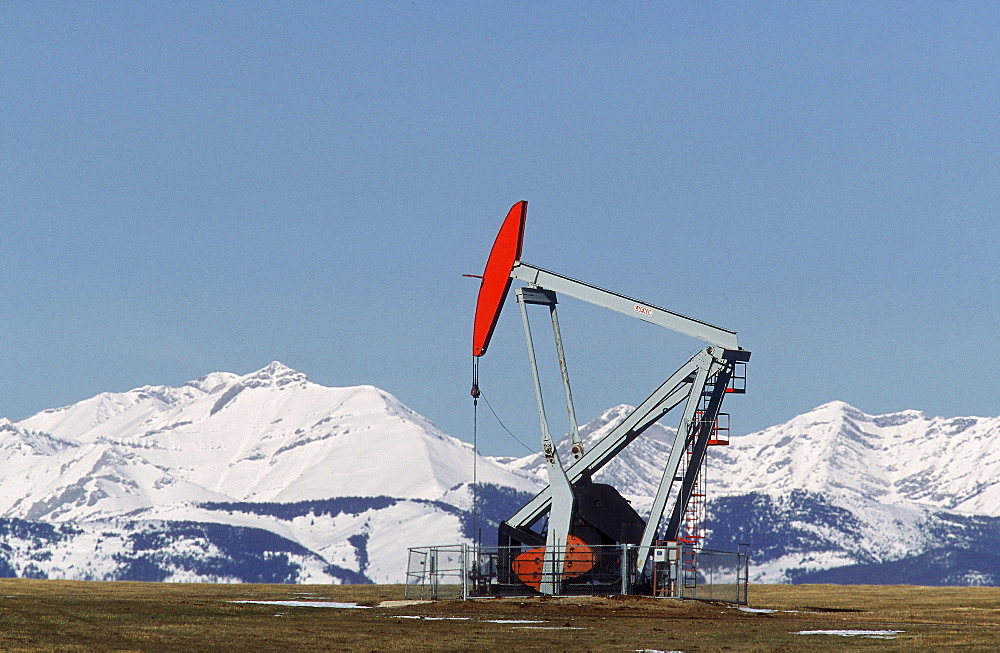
(193, 187)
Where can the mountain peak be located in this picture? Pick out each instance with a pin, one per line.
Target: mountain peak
(276, 368)
(277, 374)
(844, 408)
(837, 408)
(612, 415)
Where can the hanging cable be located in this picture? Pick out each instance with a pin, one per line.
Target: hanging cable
(500, 422)
(475, 451)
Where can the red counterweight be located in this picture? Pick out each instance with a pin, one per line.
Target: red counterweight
(496, 277)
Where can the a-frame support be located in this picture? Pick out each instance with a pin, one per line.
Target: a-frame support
(562, 501)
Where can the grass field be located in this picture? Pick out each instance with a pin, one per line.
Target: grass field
(70, 615)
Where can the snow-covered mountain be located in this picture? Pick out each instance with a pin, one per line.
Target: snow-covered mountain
(270, 436)
(838, 495)
(245, 451)
(270, 477)
(844, 454)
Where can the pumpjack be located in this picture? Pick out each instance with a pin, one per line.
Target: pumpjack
(549, 539)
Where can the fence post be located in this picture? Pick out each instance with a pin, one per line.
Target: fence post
(433, 573)
(465, 571)
(624, 568)
(673, 560)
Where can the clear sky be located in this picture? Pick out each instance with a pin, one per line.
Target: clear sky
(195, 187)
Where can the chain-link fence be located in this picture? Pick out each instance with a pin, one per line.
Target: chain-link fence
(438, 572)
(721, 576)
(464, 571)
(706, 574)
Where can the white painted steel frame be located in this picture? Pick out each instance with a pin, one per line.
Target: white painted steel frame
(687, 385)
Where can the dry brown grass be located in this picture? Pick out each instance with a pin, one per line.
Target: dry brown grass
(67, 615)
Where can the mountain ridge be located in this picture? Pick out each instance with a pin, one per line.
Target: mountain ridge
(942, 463)
(270, 435)
(338, 482)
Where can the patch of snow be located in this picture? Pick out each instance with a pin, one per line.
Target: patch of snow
(309, 604)
(401, 604)
(874, 634)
